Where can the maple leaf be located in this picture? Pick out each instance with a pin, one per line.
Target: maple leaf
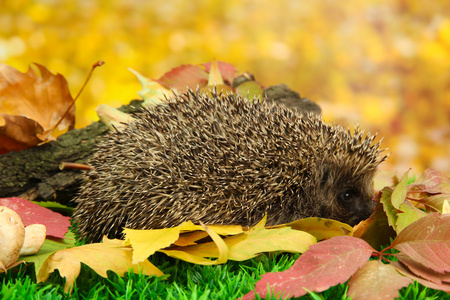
(31, 105)
(341, 256)
(57, 225)
(376, 280)
(110, 255)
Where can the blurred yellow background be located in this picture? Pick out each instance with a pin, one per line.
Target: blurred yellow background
(382, 63)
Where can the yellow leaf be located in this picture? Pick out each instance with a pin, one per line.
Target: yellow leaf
(445, 207)
(190, 238)
(246, 245)
(260, 224)
(112, 117)
(253, 242)
(152, 91)
(110, 255)
(215, 77)
(320, 228)
(146, 242)
(221, 246)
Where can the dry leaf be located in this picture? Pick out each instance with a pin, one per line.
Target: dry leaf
(110, 255)
(31, 105)
(376, 280)
(320, 228)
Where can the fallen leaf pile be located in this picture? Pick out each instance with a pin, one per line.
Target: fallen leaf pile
(422, 237)
(30, 107)
(187, 242)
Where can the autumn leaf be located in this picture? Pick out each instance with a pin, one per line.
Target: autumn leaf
(185, 76)
(18, 132)
(153, 91)
(110, 255)
(113, 118)
(341, 256)
(427, 242)
(246, 245)
(431, 181)
(399, 193)
(376, 280)
(409, 214)
(444, 286)
(31, 105)
(377, 231)
(181, 242)
(227, 71)
(147, 242)
(388, 207)
(250, 90)
(320, 228)
(50, 246)
(423, 271)
(57, 225)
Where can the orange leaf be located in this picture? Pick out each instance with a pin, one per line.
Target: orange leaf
(41, 99)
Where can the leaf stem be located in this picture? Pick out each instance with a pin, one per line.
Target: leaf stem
(95, 65)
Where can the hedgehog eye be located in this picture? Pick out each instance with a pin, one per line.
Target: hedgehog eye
(347, 196)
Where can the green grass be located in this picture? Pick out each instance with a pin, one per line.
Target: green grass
(185, 281)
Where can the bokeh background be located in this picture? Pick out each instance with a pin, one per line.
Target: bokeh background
(382, 63)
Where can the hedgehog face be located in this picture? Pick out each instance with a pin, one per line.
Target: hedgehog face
(346, 196)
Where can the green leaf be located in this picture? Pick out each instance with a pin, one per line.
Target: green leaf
(250, 89)
(50, 246)
(389, 209)
(409, 215)
(399, 194)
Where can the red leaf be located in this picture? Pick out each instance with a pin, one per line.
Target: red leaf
(432, 182)
(422, 271)
(30, 213)
(185, 76)
(341, 256)
(427, 241)
(404, 270)
(376, 280)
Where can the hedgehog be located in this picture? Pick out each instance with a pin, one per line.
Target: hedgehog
(223, 159)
